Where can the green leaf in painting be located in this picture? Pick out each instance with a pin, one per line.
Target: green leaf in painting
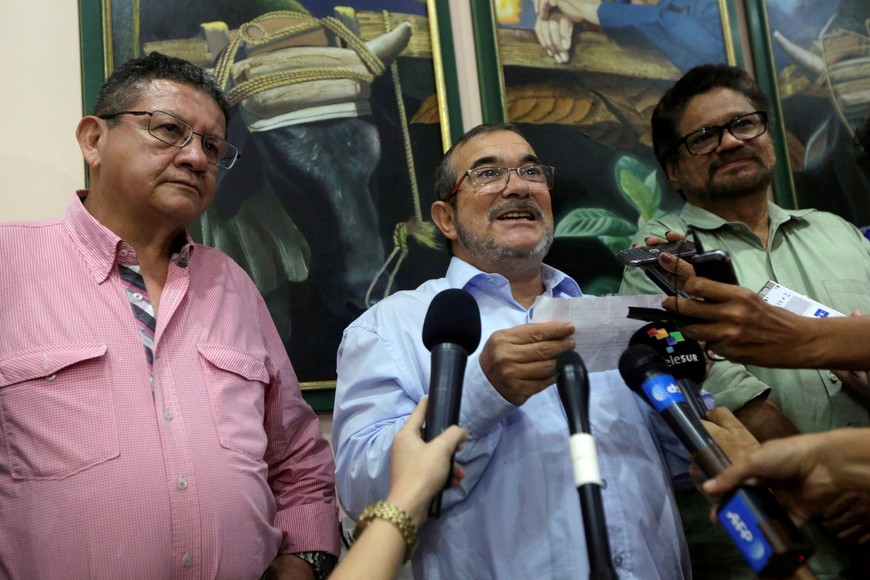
(638, 186)
(593, 221)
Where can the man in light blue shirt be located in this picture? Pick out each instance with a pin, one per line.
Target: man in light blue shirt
(516, 513)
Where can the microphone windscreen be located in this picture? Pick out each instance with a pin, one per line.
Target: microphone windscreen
(453, 317)
(683, 355)
(572, 383)
(634, 364)
(569, 358)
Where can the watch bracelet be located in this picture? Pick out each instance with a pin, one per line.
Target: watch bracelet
(393, 514)
(323, 563)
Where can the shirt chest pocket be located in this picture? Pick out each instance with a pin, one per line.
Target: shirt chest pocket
(848, 295)
(57, 414)
(236, 383)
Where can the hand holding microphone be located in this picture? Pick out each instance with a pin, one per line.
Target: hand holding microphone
(756, 522)
(451, 331)
(418, 468)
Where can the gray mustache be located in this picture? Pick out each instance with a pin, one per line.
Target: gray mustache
(518, 205)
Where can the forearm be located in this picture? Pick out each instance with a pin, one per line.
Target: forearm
(845, 455)
(834, 343)
(742, 327)
(764, 420)
(377, 554)
(380, 550)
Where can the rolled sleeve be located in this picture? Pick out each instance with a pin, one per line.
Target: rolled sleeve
(301, 467)
(733, 385)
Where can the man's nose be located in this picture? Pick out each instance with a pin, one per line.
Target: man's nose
(516, 185)
(193, 154)
(729, 141)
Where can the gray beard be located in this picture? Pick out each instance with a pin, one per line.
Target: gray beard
(485, 248)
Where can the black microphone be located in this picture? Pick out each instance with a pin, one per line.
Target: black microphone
(684, 356)
(572, 382)
(759, 526)
(451, 331)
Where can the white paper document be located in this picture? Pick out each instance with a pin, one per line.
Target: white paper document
(602, 330)
(779, 295)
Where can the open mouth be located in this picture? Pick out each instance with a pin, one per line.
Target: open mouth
(517, 215)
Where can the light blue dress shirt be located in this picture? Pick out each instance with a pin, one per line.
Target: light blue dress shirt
(517, 513)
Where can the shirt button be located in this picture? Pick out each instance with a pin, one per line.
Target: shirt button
(618, 561)
(51, 377)
(167, 414)
(833, 378)
(137, 296)
(603, 483)
(123, 253)
(187, 560)
(181, 483)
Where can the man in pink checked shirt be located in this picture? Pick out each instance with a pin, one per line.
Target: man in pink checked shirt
(151, 425)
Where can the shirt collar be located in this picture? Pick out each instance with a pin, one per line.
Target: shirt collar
(560, 283)
(102, 248)
(703, 219)
(461, 274)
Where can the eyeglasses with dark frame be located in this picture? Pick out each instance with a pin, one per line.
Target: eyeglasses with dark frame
(176, 132)
(487, 180)
(705, 140)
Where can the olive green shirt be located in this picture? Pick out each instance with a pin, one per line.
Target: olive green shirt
(811, 252)
(814, 253)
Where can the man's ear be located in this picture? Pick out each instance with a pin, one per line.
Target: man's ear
(443, 215)
(90, 133)
(673, 174)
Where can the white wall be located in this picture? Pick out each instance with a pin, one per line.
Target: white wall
(40, 162)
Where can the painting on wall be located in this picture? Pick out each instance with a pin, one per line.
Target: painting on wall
(581, 78)
(338, 118)
(821, 51)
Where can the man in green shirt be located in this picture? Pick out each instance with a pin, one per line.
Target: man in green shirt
(710, 135)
